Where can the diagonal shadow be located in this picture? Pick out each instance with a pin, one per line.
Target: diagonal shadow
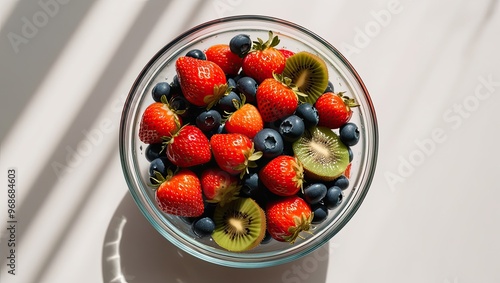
(144, 22)
(94, 104)
(96, 101)
(140, 25)
(23, 72)
(92, 185)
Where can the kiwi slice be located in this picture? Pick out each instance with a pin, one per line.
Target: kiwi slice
(239, 225)
(308, 73)
(324, 157)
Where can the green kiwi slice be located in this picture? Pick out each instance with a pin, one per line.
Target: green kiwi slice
(308, 73)
(239, 225)
(322, 154)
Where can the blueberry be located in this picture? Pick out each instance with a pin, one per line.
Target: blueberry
(292, 128)
(175, 82)
(314, 193)
(231, 83)
(349, 134)
(226, 103)
(248, 87)
(160, 165)
(204, 227)
(240, 44)
(342, 182)
(251, 185)
(238, 76)
(208, 120)
(197, 54)
(153, 151)
(351, 155)
(329, 87)
(159, 90)
(269, 142)
(308, 113)
(175, 86)
(320, 212)
(333, 197)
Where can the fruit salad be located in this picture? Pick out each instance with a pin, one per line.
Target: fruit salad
(249, 142)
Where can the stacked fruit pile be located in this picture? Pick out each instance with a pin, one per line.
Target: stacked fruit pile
(249, 142)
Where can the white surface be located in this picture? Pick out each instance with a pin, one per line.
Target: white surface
(437, 223)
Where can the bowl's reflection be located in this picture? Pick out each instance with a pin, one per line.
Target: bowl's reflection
(133, 251)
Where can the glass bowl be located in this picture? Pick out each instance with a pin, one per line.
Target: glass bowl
(161, 68)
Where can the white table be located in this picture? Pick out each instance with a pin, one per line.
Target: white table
(432, 69)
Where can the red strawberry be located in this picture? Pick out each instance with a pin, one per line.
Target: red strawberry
(188, 147)
(218, 186)
(287, 217)
(276, 100)
(221, 55)
(245, 120)
(264, 59)
(287, 53)
(202, 82)
(180, 194)
(347, 171)
(283, 175)
(234, 153)
(334, 109)
(158, 122)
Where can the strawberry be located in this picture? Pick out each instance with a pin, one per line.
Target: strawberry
(221, 55)
(158, 122)
(276, 99)
(283, 175)
(347, 171)
(264, 59)
(180, 194)
(218, 186)
(234, 153)
(287, 53)
(334, 109)
(188, 147)
(287, 217)
(245, 120)
(202, 82)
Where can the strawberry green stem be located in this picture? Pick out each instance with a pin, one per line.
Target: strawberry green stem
(349, 102)
(260, 45)
(302, 224)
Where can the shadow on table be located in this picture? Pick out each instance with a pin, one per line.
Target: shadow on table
(133, 251)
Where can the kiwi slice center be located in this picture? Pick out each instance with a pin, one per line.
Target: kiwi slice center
(308, 73)
(303, 78)
(239, 225)
(320, 149)
(236, 224)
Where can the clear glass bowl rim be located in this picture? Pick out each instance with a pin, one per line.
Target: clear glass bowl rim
(235, 260)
